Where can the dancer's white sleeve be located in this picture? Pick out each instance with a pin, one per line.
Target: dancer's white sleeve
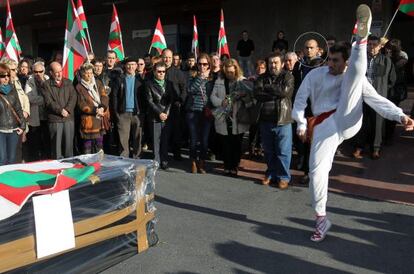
(381, 105)
(299, 106)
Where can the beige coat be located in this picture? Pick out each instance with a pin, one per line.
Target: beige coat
(24, 100)
(217, 96)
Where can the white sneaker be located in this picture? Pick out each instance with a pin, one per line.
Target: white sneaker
(364, 18)
(322, 227)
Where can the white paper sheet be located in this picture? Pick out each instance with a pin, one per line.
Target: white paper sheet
(54, 223)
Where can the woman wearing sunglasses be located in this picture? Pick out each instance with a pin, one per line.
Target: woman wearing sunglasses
(12, 122)
(198, 113)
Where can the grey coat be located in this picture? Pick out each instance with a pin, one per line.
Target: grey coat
(37, 102)
(384, 80)
(218, 95)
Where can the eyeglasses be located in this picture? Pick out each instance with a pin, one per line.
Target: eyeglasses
(160, 71)
(4, 75)
(203, 64)
(38, 71)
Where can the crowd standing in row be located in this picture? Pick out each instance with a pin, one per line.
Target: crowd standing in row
(161, 103)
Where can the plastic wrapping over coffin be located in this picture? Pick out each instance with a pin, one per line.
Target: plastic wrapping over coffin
(113, 207)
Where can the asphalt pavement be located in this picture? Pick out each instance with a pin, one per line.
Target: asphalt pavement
(216, 224)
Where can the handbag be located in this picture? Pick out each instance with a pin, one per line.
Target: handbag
(106, 121)
(208, 113)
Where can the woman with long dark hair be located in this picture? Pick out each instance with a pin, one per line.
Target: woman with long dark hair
(198, 113)
(12, 121)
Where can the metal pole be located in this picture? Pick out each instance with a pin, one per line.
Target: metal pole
(392, 20)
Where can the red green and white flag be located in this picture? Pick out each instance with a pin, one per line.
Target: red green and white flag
(13, 49)
(194, 45)
(222, 47)
(19, 182)
(2, 47)
(158, 40)
(84, 23)
(407, 6)
(74, 51)
(115, 36)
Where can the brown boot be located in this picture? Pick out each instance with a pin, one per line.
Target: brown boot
(357, 153)
(201, 169)
(283, 184)
(193, 167)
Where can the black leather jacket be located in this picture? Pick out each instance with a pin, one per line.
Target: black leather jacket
(159, 100)
(7, 119)
(275, 92)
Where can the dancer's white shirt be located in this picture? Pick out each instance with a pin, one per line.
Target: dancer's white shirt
(323, 89)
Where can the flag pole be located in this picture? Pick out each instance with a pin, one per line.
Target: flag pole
(90, 42)
(392, 20)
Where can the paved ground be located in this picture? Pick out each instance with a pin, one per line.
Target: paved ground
(216, 224)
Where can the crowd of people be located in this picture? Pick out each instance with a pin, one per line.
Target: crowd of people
(161, 103)
(310, 100)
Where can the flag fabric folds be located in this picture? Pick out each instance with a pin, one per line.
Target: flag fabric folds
(407, 6)
(115, 36)
(19, 182)
(194, 45)
(222, 46)
(158, 40)
(74, 51)
(13, 49)
(2, 46)
(84, 24)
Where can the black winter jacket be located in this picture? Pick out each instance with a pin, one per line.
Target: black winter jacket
(179, 80)
(58, 98)
(7, 119)
(159, 101)
(275, 93)
(117, 95)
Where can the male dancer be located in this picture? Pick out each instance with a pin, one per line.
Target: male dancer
(336, 93)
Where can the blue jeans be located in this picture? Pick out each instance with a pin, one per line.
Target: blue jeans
(199, 129)
(277, 145)
(8, 146)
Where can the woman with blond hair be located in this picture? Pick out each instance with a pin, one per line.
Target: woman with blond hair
(230, 91)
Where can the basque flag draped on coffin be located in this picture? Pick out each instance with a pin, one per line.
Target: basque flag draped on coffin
(74, 51)
(115, 36)
(13, 49)
(19, 182)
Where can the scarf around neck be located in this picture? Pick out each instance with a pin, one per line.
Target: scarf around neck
(5, 89)
(92, 90)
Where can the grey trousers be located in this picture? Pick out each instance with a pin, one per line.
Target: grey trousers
(61, 134)
(130, 134)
